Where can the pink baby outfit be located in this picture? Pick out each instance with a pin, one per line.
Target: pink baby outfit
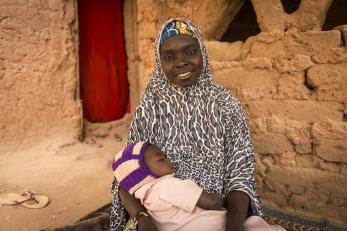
(171, 202)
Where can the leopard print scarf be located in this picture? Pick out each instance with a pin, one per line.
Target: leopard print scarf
(201, 128)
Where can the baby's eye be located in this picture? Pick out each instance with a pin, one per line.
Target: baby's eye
(190, 51)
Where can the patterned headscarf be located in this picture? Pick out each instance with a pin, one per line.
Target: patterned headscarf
(201, 128)
(175, 28)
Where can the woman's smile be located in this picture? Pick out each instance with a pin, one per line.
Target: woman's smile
(184, 76)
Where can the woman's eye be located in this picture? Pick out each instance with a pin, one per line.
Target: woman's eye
(169, 57)
(190, 52)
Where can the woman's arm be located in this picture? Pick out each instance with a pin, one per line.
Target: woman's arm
(210, 201)
(239, 182)
(133, 206)
(117, 215)
(237, 206)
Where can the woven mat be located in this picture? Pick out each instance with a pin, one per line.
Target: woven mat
(294, 222)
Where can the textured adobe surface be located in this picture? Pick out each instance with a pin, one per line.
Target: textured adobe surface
(39, 74)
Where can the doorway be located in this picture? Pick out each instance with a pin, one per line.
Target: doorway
(104, 86)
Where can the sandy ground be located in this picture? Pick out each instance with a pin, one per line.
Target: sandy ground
(77, 178)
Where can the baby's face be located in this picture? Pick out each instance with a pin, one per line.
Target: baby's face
(157, 163)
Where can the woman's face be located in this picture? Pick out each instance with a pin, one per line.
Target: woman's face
(181, 60)
(156, 162)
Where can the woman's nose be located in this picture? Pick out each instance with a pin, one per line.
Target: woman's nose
(181, 64)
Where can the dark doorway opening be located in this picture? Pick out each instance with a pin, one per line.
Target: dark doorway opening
(337, 15)
(290, 6)
(243, 26)
(104, 84)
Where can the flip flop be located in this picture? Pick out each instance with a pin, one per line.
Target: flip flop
(27, 199)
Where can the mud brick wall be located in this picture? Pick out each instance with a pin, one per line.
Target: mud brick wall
(39, 100)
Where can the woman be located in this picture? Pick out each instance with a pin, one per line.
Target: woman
(198, 124)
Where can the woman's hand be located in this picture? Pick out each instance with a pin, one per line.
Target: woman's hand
(237, 207)
(133, 206)
(130, 203)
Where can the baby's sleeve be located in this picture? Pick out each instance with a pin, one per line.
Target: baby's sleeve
(180, 193)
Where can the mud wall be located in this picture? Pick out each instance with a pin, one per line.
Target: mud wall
(292, 81)
(39, 100)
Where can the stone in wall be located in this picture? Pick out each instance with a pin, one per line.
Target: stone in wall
(293, 86)
(300, 110)
(331, 55)
(260, 63)
(223, 51)
(299, 134)
(292, 44)
(39, 83)
(330, 139)
(274, 199)
(318, 186)
(257, 125)
(275, 124)
(258, 46)
(287, 159)
(343, 29)
(329, 81)
(305, 161)
(299, 63)
(311, 42)
(247, 83)
(328, 166)
(277, 136)
(269, 143)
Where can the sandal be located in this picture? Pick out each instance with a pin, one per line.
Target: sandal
(27, 199)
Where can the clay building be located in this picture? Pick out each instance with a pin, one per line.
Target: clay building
(286, 61)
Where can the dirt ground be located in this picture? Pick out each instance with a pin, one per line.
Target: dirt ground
(77, 178)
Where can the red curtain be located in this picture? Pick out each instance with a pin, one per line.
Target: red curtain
(103, 68)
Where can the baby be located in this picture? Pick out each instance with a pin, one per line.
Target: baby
(174, 204)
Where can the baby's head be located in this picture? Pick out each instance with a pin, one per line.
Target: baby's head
(138, 164)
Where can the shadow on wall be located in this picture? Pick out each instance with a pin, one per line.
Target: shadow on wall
(337, 15)
(243, 25)
(245, 22)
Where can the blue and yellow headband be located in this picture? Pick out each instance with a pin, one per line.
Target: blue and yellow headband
(175, 28)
